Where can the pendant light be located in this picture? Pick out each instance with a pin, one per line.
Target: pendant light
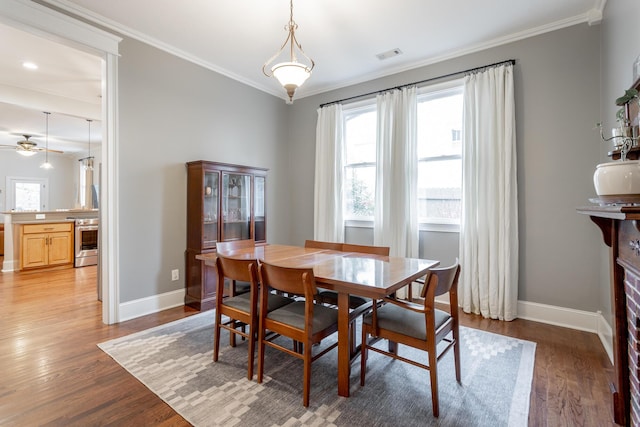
(89, 164)
(291, 74)
(46, 164)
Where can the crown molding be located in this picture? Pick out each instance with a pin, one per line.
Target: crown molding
(558, 25)
(98, 19)
(592, 17)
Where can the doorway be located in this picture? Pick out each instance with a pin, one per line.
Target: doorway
(54, 27)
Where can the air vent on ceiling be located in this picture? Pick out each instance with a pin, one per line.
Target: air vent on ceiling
(388, 54)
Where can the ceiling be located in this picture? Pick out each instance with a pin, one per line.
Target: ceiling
(235, 38)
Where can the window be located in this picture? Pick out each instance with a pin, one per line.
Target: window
(439, 134)
(360, 162)
(27, 194)
(440, 154)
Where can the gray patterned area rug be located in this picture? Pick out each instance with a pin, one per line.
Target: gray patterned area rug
(175, 362)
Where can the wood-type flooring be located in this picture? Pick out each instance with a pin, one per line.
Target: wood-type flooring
(53, 374)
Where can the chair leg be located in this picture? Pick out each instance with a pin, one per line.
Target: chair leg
(216, 337)
(352, 339)
(232, 336)
(306, 387)
(252, 345)
(456, 357)
(433, 372)
(261, 333)
(363, 355)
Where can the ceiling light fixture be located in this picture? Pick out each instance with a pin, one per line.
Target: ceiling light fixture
(46, 164)
(30, 65)
(26, 147)
(291, 74)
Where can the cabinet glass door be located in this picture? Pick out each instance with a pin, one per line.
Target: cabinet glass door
(210, 209)
(236, 206)
(258, 209)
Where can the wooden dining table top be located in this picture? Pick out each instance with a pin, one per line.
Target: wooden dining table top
(373, 276)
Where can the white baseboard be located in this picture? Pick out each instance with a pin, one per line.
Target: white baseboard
(153, 304)
(605, 332)
(569, 318)
(565, 317)
(9, 266)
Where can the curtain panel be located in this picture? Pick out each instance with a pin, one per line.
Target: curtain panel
(396, 210)
(489, 227)
(328, 219)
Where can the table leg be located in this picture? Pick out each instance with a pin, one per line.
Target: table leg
(344, 359)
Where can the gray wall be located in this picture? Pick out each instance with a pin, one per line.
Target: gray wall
(62, 178)
(557, 104)
(620, 48)
(171, 112)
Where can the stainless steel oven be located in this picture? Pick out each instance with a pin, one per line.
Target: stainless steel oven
(86, 242)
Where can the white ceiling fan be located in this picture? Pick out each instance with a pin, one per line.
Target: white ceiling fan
(26, 147)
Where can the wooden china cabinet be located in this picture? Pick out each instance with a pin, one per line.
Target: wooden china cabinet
(224, 202)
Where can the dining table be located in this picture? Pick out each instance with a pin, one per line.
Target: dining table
(347, 273)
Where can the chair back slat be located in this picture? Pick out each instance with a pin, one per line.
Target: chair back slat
(297, 281)
(347, 247)
(441, 280)
(365, 249)
(244, 270)
(317, 244)
(234, 245)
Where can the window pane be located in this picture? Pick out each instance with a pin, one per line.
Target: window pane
(439, 154)
(440, 125)
(439, 190)
(359, 185)
(27, 196)
(360, 137)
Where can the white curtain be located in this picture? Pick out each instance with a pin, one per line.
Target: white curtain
(396, 209)
(489, 228)
(328, 223)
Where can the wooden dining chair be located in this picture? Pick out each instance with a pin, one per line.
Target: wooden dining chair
(357, 305)
(236, 287)
(419, 326)
(241, 310)
(306, 322)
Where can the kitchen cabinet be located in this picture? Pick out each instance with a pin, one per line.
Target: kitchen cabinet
(225, 202)
(46, 244)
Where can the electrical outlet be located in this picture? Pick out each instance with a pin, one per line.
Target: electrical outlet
(175, 274)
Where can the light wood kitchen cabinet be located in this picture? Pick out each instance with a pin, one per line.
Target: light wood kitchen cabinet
(224, 202)
(46, 245)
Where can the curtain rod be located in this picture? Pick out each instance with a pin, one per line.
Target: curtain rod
(471, 70)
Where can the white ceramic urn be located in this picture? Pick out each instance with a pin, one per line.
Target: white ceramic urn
(617, 178)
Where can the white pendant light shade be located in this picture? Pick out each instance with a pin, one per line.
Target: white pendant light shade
(291, 73)
(46, 164)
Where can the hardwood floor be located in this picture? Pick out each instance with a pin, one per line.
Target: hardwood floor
(53, 374)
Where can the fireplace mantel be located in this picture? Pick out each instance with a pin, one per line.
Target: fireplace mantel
(620, 226)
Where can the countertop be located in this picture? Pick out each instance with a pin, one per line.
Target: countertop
(43, 221)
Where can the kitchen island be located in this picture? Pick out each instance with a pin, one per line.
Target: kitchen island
(14, 227)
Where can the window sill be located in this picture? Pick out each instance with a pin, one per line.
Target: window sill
(434, 227)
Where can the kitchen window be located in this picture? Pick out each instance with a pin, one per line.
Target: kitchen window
(27, 194)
